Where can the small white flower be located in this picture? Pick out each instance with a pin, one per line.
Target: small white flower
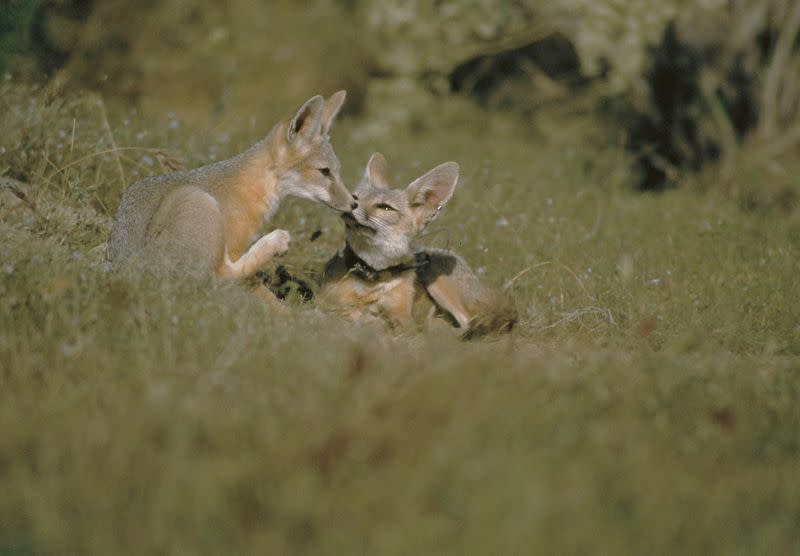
(70, 350)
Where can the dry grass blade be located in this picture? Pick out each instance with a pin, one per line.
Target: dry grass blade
(168, 162)
(55, 87)
(522, 272)
(603, 312)
(114, 149)
(20, 194)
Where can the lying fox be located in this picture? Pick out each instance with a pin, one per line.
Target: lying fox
(203, 220)
(379, 276)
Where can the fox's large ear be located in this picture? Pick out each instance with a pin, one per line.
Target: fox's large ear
(332, 107)
(429, 193)
(377, 172)
(307, 123)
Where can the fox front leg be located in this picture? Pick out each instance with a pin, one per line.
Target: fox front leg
(273, 244)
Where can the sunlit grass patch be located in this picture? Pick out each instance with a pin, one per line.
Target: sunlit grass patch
(647, 401)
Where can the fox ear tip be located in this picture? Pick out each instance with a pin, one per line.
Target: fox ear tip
(314, 103)
(377, 170)
(454, 169)
(378, 161)
(307, 119)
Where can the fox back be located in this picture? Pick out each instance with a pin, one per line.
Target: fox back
(380, 274)
(204, 219)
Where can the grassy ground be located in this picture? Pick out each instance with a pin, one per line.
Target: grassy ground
(649, 401)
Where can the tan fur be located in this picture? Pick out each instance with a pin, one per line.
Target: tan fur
(390, 302)
(205, 219)
(403, 284)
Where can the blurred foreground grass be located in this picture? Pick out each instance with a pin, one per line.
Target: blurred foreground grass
(649, 401)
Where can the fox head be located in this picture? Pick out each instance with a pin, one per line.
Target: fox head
(307, 165)
(383, 225)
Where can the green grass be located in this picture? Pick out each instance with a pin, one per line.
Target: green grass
(648, 402)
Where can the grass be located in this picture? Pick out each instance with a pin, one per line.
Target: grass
(648, 402)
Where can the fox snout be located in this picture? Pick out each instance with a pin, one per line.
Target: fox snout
(352, 221)
(349, 218)
(340, 198)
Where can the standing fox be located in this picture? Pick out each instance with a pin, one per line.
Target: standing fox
(204, 219)
(378, 275)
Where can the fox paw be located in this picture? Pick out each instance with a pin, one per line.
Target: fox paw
(279, 241)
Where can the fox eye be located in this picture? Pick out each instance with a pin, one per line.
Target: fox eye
(384, 206)
(325, 172)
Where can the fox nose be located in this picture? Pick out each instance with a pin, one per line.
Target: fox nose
(354, 205)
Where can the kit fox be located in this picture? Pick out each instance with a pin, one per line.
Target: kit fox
(203, 220)
(380, 276)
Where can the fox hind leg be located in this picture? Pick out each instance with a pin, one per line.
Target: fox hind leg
(454, 288)
(187, 231)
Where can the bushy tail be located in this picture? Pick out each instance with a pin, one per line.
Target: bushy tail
(496, 314)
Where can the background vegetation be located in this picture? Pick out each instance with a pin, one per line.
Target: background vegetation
(649, 400)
